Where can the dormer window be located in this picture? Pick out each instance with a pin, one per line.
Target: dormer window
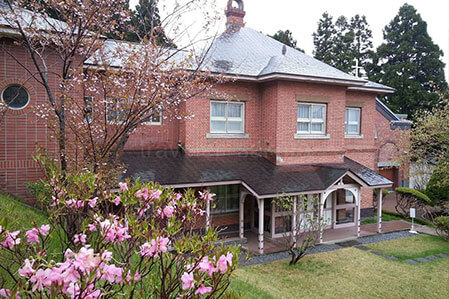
(311, 119)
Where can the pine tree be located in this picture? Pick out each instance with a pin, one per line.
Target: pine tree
(342, 50)
(285, 37)
(147, 23)
(362, 45)
(409, 61)
(323, 39)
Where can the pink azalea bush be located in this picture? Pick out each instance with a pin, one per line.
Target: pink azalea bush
(141, 240)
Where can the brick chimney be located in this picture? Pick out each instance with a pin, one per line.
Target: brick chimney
(235, 14)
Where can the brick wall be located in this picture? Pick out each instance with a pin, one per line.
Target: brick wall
(21, 131)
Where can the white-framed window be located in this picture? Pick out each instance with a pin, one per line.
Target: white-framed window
(352, 121)
(311, 119)
(116, 111)
(156, 120)
(227, 117)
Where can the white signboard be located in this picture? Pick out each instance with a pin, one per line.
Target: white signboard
(412, 213)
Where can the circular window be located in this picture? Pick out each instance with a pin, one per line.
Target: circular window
(15, 96)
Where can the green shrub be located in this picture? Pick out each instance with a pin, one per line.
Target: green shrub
(413, 193)
(39, 190)
(438, 187)
(442, 226)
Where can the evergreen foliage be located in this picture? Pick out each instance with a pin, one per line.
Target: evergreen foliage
(323, 39)
(409, 61)
(285, 37)
(341, 43)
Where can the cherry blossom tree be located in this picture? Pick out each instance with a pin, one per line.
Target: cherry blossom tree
(105, 89)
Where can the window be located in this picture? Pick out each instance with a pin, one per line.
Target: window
(352, 121)
(15, 96)
(156, 119)
(226, 198)
(311, 119)
(116, 111)
(88, 109)
(227, 117)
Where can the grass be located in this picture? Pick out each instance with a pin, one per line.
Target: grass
(409, 248)
(19, 215)
(351, 273)
(385, 217)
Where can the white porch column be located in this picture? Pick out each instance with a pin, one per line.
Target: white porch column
(242, 214)
(261, 216)
(321, 214)
(379, 210)
(359, 203)
(295, 198)
(208, 214)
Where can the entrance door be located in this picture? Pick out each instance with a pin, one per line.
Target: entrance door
(344, 208)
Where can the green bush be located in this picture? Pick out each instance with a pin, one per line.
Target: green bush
(442, 226)
(39, 190)
(438, 187)
(413, 193)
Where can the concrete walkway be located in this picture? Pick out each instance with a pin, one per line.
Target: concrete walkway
(268, 258)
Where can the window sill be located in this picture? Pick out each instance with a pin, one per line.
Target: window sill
(354, 136)
(227, 136)
(304, 136)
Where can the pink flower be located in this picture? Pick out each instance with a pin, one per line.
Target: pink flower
(32, 235)
(157, 246)
(206, 195)
(206, 266)
(178, 196)
(222, 264)
(112, 273)
(203, 290)
(92, 202)
(44, 230)
(187, 281)
(135, 277)
(106, 256)
(123, 186)
(155, 194)
(27, 270)
(92, 227)
(168, 211)
(40, 279)
(81, 238)
(79, 204)
(142, 193)
(117, 200)
(11, 240)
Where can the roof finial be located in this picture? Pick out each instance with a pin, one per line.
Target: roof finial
(235, 14)
(284, 50)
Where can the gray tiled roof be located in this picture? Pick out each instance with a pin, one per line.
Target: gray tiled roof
(396, 122)
(247, 52)
(262, 176)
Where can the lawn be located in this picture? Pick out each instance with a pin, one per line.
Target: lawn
(19, 215)
(352, 273)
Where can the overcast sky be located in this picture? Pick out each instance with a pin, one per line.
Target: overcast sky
(301, 17)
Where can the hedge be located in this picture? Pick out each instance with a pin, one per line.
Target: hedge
(414, 193)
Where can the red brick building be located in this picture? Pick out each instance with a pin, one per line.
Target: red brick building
(294, 126)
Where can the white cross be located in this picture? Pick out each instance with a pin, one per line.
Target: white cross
(357, 67)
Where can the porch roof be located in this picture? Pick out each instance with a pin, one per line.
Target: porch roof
(171, 168)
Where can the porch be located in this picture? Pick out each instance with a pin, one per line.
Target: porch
(250, 243)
